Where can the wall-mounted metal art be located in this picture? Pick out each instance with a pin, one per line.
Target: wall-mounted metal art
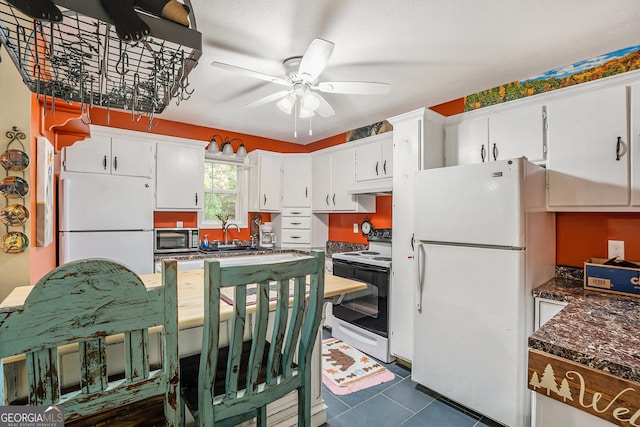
(14, 187)
(82, 59)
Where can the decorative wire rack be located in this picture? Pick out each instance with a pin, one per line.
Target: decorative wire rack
(81, 59)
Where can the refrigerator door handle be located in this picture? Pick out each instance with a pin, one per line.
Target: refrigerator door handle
(419, 275)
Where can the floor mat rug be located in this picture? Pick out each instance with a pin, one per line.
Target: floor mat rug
(345, 369)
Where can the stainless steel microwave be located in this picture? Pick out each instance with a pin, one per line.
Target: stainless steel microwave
(168, 240)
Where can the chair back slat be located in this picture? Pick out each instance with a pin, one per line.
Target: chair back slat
(297, 314)
(42, 371)
(93, 365)
(136, 350)
(270, 374)
(82, 303)
(235, 344)
(259, 336)
(279, 328)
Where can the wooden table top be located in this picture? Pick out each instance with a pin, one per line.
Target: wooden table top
(191, 295)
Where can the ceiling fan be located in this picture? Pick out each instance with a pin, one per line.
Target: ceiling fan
(302, 82)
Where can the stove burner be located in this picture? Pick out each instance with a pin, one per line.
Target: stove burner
(382, 258)
(370, 253)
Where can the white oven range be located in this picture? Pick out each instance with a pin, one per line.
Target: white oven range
(361, 319)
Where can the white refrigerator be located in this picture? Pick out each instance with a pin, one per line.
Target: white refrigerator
(106, 216)
(484, 240)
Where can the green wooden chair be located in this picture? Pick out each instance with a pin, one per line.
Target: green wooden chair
(227, 386)
(82, 303)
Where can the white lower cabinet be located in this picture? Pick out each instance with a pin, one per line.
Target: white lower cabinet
(298, 228)
(545, 309)
(548, 412)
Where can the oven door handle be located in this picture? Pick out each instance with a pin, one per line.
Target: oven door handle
(361, 266)
(420, 275)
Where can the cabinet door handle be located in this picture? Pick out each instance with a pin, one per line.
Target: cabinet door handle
(327, 200)
(115, 163)
(196, 199)
(618, 148)
(104, 163)
(334, 199)
(265, 200)
(495, 152)
(384, 167)
(377, 168)
(482, 153)
(412, 246)
(306, 192)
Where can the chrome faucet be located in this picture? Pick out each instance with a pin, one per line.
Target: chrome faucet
(225, 230)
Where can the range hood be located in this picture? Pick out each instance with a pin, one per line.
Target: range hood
(374, 186)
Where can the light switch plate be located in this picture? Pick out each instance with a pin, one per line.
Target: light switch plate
(616, 249)
(179, 224)
(355, 228)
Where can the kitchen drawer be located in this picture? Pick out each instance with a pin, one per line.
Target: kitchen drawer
(296, 212)
(296, 236)
(296, 222)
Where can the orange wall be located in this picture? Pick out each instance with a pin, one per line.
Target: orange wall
(341, 225)
(580, 236)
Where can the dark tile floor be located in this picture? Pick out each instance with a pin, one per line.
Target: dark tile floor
(397, 403)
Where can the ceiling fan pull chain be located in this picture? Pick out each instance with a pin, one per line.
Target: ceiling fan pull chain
(295, 118)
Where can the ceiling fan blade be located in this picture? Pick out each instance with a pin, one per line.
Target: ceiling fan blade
(355, 88)
(315, 59)
(268, 98)
(250, 73)
(324, 110)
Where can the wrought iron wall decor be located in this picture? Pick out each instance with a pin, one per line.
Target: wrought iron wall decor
(14, 188)
(81, 59)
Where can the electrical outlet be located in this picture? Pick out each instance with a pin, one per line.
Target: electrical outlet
(355, 228)
(616, 249)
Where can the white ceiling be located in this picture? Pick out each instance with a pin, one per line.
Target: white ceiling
(430, 51)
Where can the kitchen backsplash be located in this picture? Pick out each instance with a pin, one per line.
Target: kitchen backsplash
(566, 272)
(334, 247)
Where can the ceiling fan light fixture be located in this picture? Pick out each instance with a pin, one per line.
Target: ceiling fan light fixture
(309, 101)
(286, 104)
(305, 114)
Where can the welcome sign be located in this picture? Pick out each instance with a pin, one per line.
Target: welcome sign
(612, 398)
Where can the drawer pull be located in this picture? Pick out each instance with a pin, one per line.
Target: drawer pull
(296, 223)
(296, 237)
(296, 213)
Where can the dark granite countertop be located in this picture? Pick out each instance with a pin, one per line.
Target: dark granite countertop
(595, 329)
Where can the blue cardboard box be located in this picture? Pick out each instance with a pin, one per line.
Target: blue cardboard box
(610, 278)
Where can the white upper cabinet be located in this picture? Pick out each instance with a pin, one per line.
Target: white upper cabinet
(500, 135)
(265, 181)
(296, 181)
(518, 133)
(374, 160)
(179, 176)
(106, 154)
(332, 173)
(321, 180)
(589, 163)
